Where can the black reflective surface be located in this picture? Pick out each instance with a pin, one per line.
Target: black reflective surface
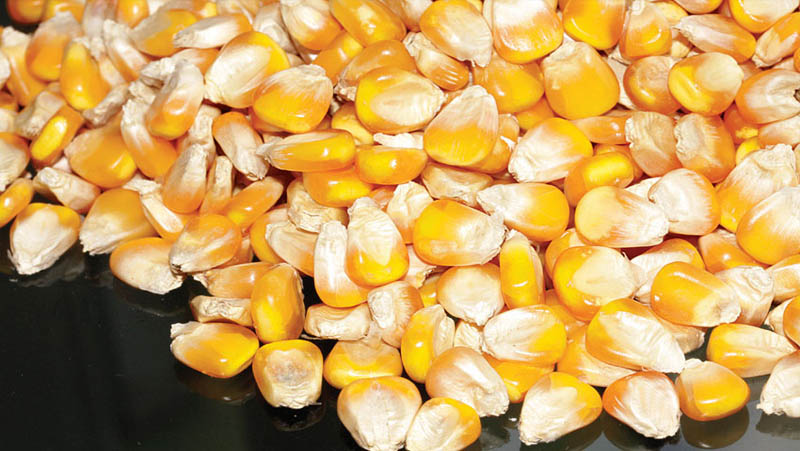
(86, 365)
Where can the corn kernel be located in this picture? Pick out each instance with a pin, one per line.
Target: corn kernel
(350, 361)
(292, 245)
(215, 349)
(758, 16)
(646, 32)
(612, 216)
(464, 375)
(769, 96)
(457, 28)
(45, 50)
(289, 373)
(443, 423)
(779, 393)
(143, 263)
(277, 304)
(14, 199)
(205, 242)
(368, 21)
(706, 83)
(748, 351)
(446, 72)
(645, 401)
(596, 22)
(349, 324)
(761, 225)
(429, 333)
(389, 53)
(295, 99)
(577, 362)
(524, 30)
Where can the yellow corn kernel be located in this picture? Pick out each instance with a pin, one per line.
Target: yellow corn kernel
(405, 206)
(716, 33)
(40, 235)
(175, 107)
(769, 96)
(310, 23)
(241, 67)
(185, 183)
(758, 16)
(331, 282)
(101, 157)
(65, 188)
(239, 142)
(704, 145)
(258, 238)
(215, 349)
(612, 216)
(522, 206)
(306, 213)
(646, 83)
(773, 221)
(458, 288)
(219, 185)
(684, 294)
(292, 245)
(578, 82)
(542, 343)
(655, 258)
(389, 53)
(345, 119)
(585, 367)
(443, 423)
(608, 169)
(392, 100)
(390, 165)
(143, 263)
(518, 377)
(337, 55)
(153, 155)
(350, 361)
(235, 281)
(457, 28)
(464, 375)
(693, 86)
(368, 21)
(289, 373)
(607, 129)
(533, 116)
(55, 136)
(131, 12)
(740, 129)
(720, 251)
(205, 242)
(646, 32)
(428, 290)
(786, 277)
(347, 324)
(295, 99)
(14, 199)
(53, 7)
(570, 238)
(521, 273)
(154, 34)
(546, 414)
(514, 87)
(376, 254)
(689, 201)
(625, 398)
(588, 277)
(447, 72)
(45, 50)
(653, 144)
(82, 84)
(253, 201)
(778, 42)
(23, 85)
(778, 393)
(548, 151)
(748, 351)
(524, 30)
(277, 304)
(314, 151)
(428, 333)
(25, 11)
(339, 188)
(596, 22)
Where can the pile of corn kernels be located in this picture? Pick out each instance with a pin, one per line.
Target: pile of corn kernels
(506, 201)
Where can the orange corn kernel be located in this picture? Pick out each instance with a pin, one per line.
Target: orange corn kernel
(429, 333)
(101, 157)
(167, 223)
(607, 129)
(646, 32)
(332, 284)
(684, 294)
(307, 214)
(131, 12)
(405, 206)
(350, 361)
(122, 52)
(292, 245)
(339, 188)
(778, 394)
(755, 178)
(458, 29)
(758, 16)
(446, 72)
(14, 155)
(205, 242)
(392, 100)
(241, 67)
(447, 182)
(143, 263)
(628, 398)
(428, 290)
(518, 377)
(338, 55)
(57, 133)
(548, 151)
(524, 30)
(779, 132)
(445, 230)
(82, 84)
(258, 239)
(655, 258)
(754, 290)
(289, 373)
(767, 222)
(609, 169)
(457, 288)
(236, 281)
(23, 85)
(8, 102)
(376, 254)
(514, 87)
(310, 23)
(570, 238)
(747, 147)
(578, 82)
(611, 216)
(786, 277)
(175, 107)
(46, 48)
(345, 119)
(689, 201)
(579, 363)
(25, 11)
(14, 199)
(464, 375)
(533, 116)
(522, 206)
(153, 155)
(239, 142)
(521, 273)
(65, 188)
(155, 33)
(368, 21)
(53, 7)
(696, 90)
(253, 201)
(546, 415)
(779, 41)
(185, 183)
(328, 150)
(720, 251)
(748, 351)
(646, 83)
(358, 409)
(295, 99)
(588, 277)
(542, 343)
(389, 53)
(40, 235)
(628, 334)
(390, 164)
(769, 96)
(277, 304)
(739, 128)
(465, 130)
(653, 144)
(717, 33)
(596, 22)
(216, 349)
(219, 185)
(443, 423)
(791, 321)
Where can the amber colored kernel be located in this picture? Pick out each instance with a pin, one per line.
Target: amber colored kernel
(215, 349)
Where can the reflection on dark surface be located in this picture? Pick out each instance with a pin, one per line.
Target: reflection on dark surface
(715, 434)
(581, 439)
(623, 437)
(234, 391)
(779, 426)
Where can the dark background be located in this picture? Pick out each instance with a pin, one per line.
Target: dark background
(85, 365)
